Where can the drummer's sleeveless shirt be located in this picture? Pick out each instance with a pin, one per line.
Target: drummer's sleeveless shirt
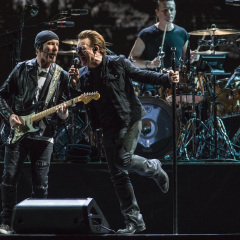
(152, 38)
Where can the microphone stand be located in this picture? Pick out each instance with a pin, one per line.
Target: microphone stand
(75, 63)
(175, 205)
(213, 47)
(19, 39)
(16, 44)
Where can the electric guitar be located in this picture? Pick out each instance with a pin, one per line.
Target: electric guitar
(27, 126)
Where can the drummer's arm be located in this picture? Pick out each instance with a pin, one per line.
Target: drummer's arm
(136, 53)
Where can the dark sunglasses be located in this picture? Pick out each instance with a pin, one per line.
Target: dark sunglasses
(79, 50)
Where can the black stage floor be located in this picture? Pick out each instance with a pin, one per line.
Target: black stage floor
(123, 237)
(208, 199)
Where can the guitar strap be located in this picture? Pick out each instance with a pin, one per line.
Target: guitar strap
(47, 82)
(53, 84)
(51, 90)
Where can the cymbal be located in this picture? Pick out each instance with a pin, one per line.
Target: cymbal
(214, 31)
(70, 52)
(75, 41)
(71, 41)
(211, 52)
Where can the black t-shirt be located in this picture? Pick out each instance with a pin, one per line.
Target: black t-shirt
(152, 38)
(107, 114)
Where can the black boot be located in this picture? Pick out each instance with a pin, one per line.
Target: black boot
(151, 168)
(160, 177)
(131, 229)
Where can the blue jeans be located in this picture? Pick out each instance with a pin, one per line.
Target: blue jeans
(119, 146)
(39, 153)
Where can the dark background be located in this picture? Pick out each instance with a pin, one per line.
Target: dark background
(117, 21)
(208, 194)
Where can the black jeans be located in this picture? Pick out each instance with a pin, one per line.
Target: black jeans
(114, 142)
(39, 153)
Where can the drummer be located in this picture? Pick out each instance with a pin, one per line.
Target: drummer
(145, 52)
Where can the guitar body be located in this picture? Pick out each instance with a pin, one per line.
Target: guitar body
(23, 130)
(29, 118)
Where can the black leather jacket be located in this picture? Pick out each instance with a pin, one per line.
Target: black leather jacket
(18, 92)
(116, 75)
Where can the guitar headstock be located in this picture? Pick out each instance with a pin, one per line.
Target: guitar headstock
(87, 97)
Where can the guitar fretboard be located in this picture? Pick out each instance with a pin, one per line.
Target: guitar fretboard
(86, 98)
(41, 115)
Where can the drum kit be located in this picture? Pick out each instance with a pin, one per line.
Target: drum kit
(206, 100)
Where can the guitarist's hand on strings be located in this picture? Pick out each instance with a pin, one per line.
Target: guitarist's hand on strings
(173, 76)
(14, 121)
(62, 111)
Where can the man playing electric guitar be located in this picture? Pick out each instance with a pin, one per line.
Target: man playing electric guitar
(39, 79)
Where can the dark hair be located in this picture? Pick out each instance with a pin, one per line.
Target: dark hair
(159, 1)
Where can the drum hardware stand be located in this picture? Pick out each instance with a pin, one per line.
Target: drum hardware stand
(175, 199)
(78, 131)
(212, 132)
(215, 130)
(213, 47)
(191, 136)
(226, 148)
(236, 143)
(218, 126)
(213, 95)
(204, 140)
(180, 85)
(190, 132)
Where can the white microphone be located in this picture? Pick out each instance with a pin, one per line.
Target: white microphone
(75, 12)
(60, 24)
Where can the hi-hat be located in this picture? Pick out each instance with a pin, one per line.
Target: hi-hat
(211, 52)
(70, 52)
(75, 41)
(214, 31)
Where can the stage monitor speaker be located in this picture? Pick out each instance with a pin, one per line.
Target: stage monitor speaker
(66, 216)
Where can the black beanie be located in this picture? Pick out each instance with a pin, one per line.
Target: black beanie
(45, 36)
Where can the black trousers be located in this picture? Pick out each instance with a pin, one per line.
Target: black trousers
(39, 153)
(119, 146)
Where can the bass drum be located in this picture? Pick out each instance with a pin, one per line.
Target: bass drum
(156, 139)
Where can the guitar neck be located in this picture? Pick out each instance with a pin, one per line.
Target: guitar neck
(39, 116)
